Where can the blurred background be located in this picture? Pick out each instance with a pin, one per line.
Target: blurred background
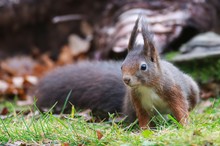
(39, 35)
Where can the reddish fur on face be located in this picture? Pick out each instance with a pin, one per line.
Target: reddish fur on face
(129, 70)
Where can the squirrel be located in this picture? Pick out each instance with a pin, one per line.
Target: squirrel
(143, 86)
(95, 85)
(154, 85)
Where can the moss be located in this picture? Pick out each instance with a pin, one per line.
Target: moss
(203, 70)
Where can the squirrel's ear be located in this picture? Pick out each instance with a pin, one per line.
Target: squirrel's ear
(149, 48)
(134, 34)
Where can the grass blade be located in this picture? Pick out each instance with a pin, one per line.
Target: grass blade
(67, 98)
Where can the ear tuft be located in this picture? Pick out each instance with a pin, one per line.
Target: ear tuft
(149, 48)
(134, 34)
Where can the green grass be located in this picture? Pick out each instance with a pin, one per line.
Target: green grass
(204, 129)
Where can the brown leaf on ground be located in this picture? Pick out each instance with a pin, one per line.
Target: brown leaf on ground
(99, 134)
(7, 69)
(19, 74)
(47, 61)
(3, 86)
(65, 56)
(78, 45)
(4, 111)
(45, 64)
(18, 65)
(65, 144)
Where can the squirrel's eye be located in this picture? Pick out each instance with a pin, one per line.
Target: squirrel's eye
(143, 67)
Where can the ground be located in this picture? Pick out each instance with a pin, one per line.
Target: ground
(20, 128)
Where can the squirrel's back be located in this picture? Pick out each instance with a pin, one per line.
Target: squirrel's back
(94, 85)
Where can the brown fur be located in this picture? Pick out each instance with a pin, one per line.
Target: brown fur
(177, 103)
(157, 85)
(143, 120)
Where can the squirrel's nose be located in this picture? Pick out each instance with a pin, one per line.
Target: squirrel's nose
(127, 80)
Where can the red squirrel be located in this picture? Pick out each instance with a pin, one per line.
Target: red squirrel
(154, 85)
(150, 83)
(94, 85)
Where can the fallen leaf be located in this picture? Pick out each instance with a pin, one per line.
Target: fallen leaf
(18, 65)
(31, 79)
(99, 134)
(78, 45)
(3, 86)
(18, 82)
(4, 111)
(7, 69)
(65, 56)
(65, 144)
(47, 61)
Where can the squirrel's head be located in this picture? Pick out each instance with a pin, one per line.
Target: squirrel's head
(141, 65)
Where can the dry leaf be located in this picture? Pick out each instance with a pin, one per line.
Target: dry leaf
(18, 82)
(7, 69)
(3, 86)
(47, 61)
(33, 80)
(99, 134)
(65, 144)
(65, 56)
(78, 45)
(18, 66)
(4, 111)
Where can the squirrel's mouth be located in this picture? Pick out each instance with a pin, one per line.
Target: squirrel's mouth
(131, 81)
(133, 85)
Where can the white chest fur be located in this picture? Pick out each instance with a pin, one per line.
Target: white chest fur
(151, 101)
